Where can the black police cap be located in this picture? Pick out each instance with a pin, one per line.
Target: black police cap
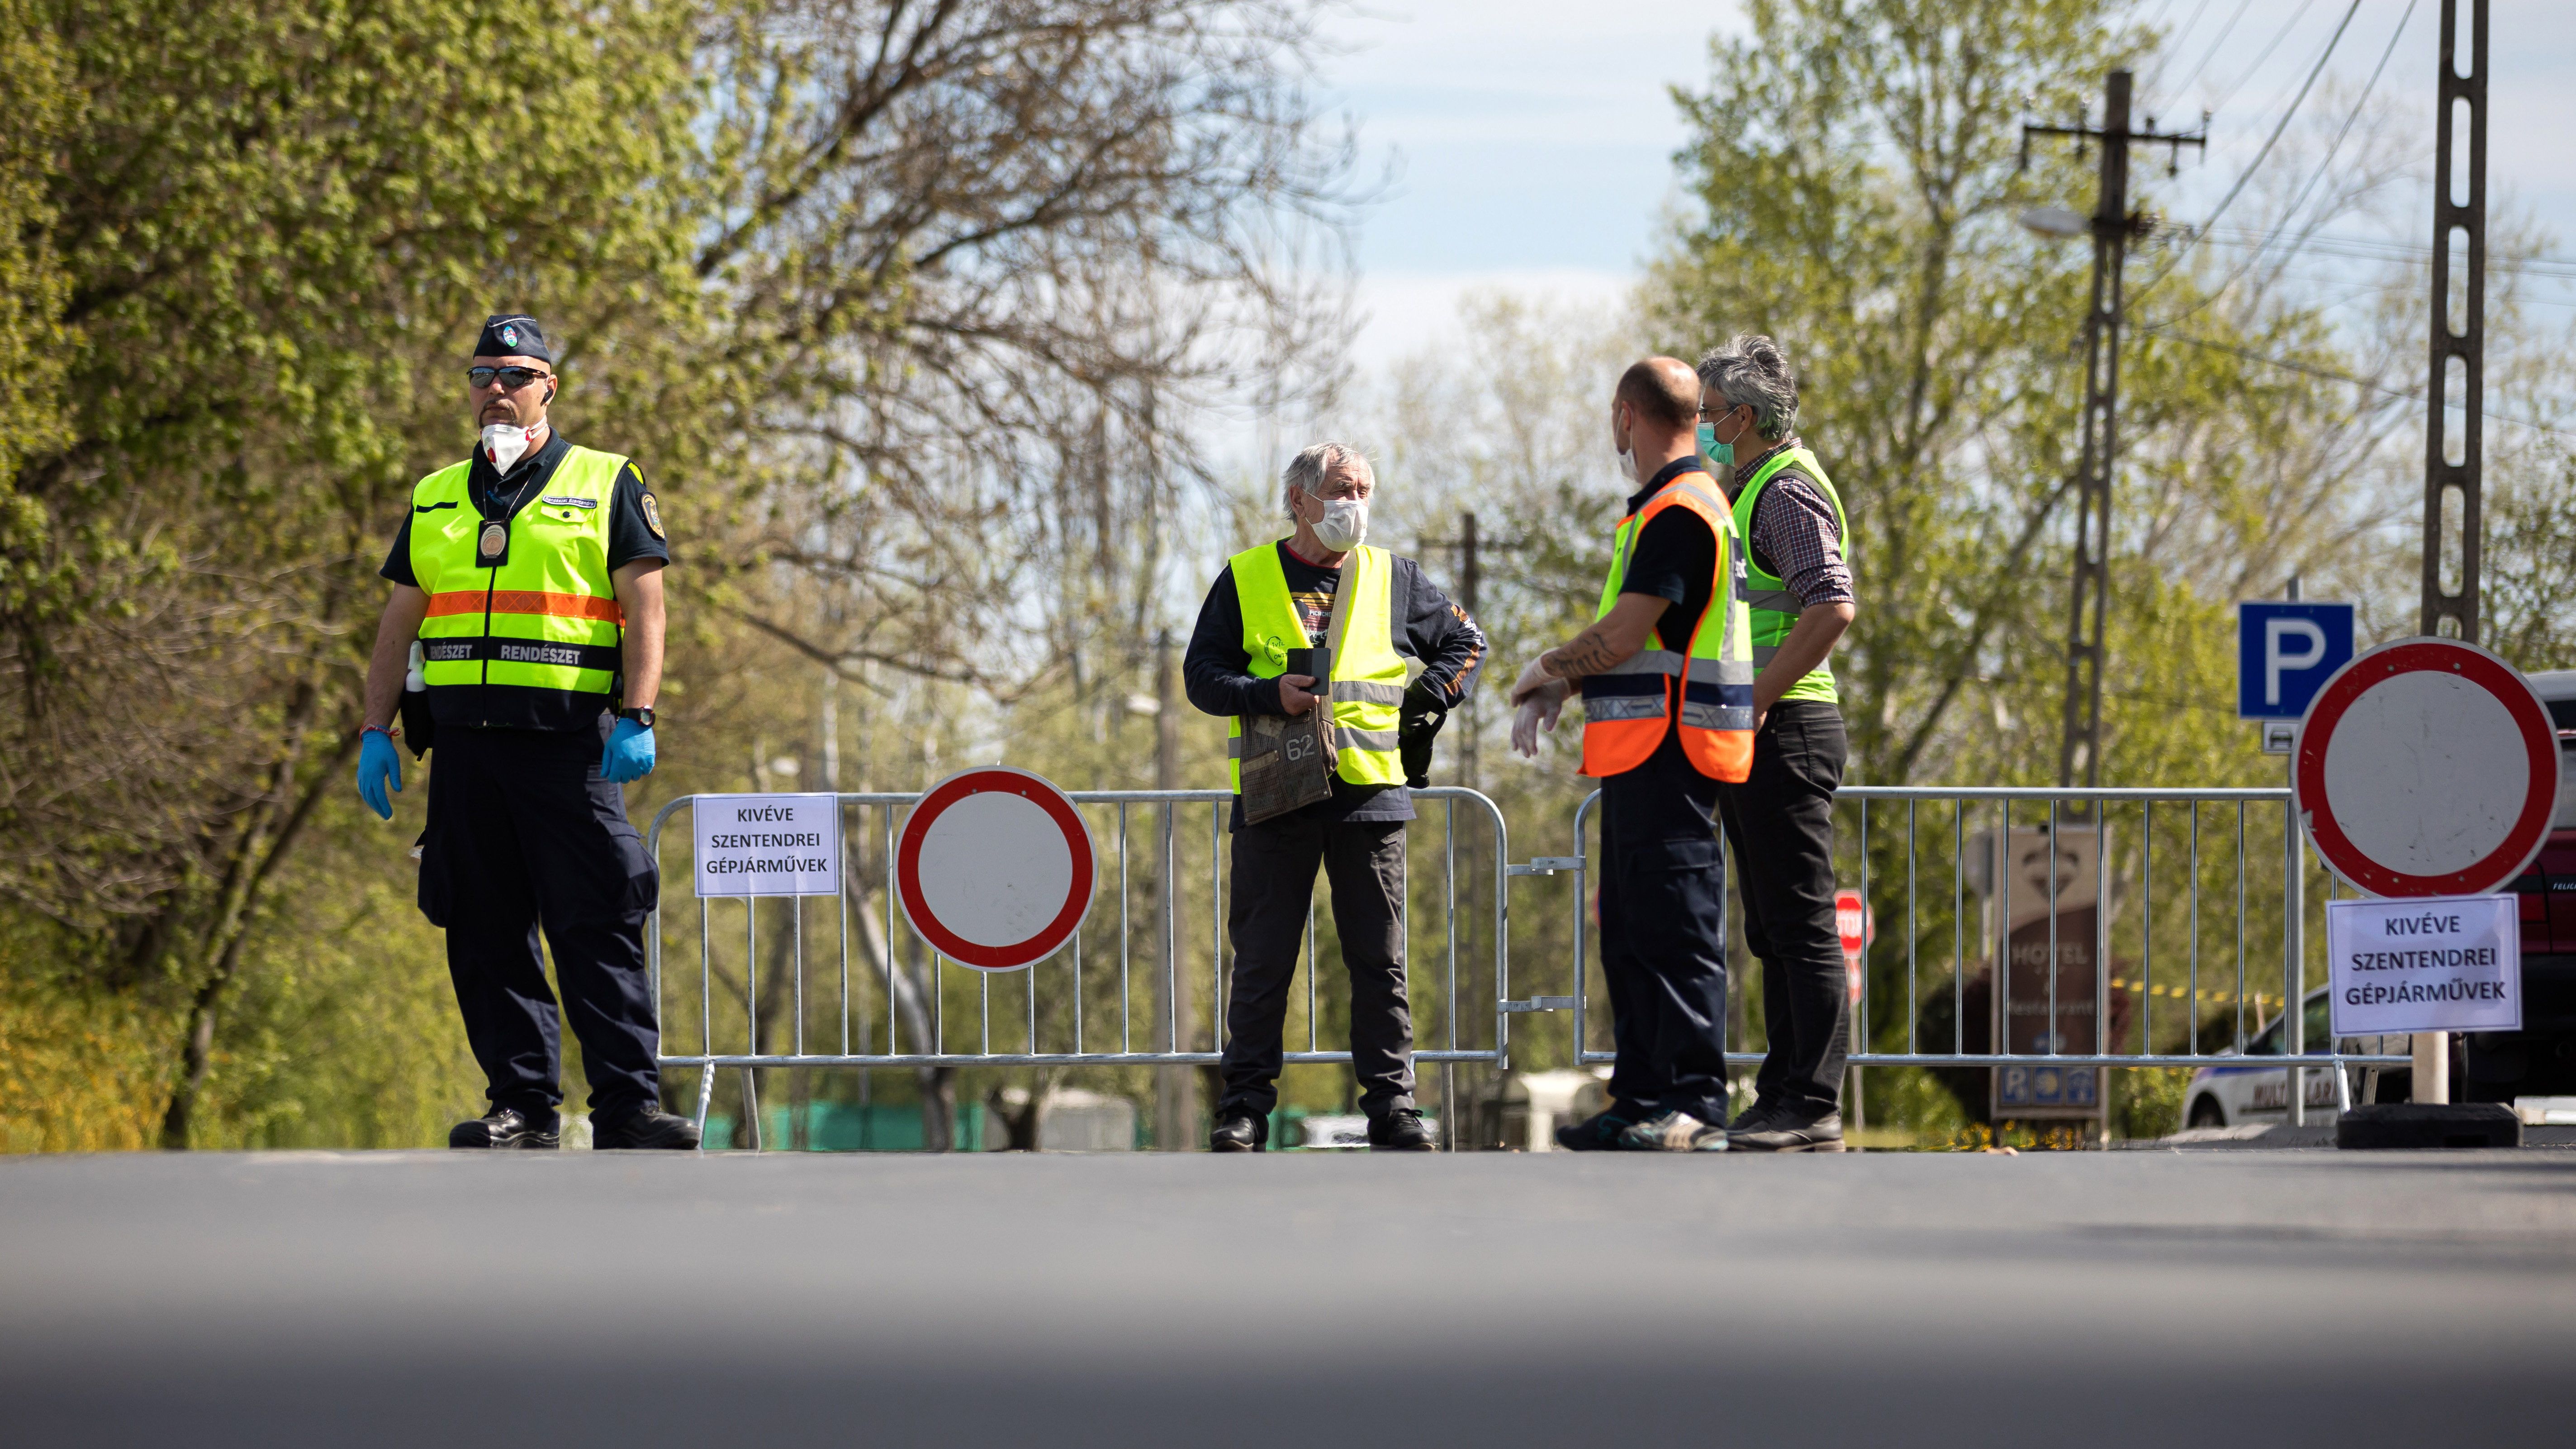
(512, 334)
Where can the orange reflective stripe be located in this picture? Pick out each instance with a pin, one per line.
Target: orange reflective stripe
(528, 601)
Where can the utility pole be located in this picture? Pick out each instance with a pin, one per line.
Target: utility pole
(1472, 777)
(2112, 226)
(1470, 545)
(1467, 600)
(2453, 510)
(2459, 337)
(1176, 1089)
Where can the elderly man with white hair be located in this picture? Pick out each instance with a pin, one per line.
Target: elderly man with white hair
(1401, 656)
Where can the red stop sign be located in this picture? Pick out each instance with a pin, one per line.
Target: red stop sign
(1852, 922)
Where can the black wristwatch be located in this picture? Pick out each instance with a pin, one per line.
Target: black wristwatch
(642, 716)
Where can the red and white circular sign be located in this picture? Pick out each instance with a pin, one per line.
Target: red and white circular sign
(2426, 767)
(995, 868)
(1852, 920)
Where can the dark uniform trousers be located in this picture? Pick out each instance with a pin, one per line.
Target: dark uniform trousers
(1663, 936)
(523, 832)
(1781, 820)
(1274, 883)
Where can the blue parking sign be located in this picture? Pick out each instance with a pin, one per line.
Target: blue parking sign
(2284, 653)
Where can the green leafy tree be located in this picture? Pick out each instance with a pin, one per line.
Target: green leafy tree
(907, 311)
(277, 226)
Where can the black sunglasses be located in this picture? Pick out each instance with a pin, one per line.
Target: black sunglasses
(512, 378)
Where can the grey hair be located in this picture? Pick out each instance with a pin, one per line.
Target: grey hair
(1312, 465)
(1750, 372)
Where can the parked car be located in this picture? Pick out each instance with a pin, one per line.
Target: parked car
(2540, 1059)
(2259, 1091)
(2494, 1066)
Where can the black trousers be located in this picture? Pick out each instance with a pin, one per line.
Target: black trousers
(523, 833)
(1274, 881)
(1663, 937)
(1781, 820)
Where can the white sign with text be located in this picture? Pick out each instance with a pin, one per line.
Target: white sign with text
(2432, 963)
(768, 845)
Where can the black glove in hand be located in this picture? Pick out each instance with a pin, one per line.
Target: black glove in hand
(1416, 727)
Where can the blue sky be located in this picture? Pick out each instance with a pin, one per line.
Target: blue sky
(1535, 137)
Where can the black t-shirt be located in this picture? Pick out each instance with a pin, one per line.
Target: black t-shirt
(634, 519)
(1675, 558)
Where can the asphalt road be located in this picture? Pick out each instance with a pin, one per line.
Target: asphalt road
(580, 1298)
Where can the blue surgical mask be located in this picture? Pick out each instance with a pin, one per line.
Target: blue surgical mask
(1719, 455)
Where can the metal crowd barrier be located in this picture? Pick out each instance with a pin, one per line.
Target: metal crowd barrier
(896, 1004)
(2208, 893)
(2259, 945)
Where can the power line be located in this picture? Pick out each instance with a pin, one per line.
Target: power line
(2155, 82)
(2333, 375)
(2269, 142)
(2256, 68)
(2344, 290)
(2210, 54)
(2299, 202)
(2359, 102)
(2367, 249)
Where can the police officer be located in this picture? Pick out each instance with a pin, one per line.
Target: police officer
(1396, 627)
(530, 577)
(1781, 817)
(1666, 676)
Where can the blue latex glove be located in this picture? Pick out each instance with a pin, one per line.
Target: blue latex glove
(629, 755)
(378, 762)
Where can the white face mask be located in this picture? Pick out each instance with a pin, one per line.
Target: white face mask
(504, 444)
(1627, 459)
(1344, 524)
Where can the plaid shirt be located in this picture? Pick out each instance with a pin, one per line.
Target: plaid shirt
(1795, 535)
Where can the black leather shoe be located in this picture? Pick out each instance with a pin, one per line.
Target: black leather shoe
(644, 1127)
(1596, 1133)
(1239, 1132)
(1781, 1132)
(506, 1129)
(1750, 1118)
(1400, 1131)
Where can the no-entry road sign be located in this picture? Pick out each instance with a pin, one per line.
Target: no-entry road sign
(2426, 767)
(2285, 652)
(995, 868)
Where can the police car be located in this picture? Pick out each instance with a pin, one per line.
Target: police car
(2539, 1060)
(2258, 1091)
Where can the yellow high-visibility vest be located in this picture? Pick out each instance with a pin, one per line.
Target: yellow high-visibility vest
(547, 617)
(1775, 609)
(1368, 675)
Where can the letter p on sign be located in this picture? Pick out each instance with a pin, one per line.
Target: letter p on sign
(2285, 652)
(2277, 632)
